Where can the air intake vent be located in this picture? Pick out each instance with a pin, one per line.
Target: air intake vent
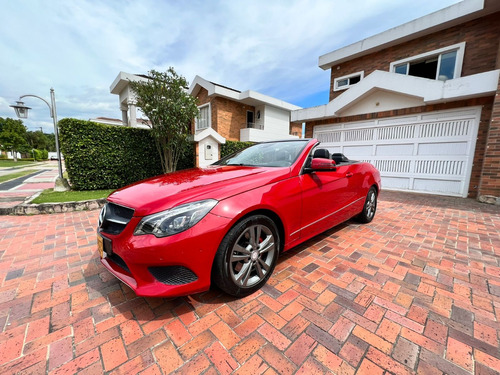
(173, 275)
(119, 261)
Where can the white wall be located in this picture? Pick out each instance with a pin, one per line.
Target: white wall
(256, 135)
(203, 159)
(276, 120)
(10, 155)
(260, 121)
(276, 126)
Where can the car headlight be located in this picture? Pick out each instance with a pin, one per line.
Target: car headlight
(175, 220)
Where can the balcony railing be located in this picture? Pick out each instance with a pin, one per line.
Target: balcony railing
(253, 125)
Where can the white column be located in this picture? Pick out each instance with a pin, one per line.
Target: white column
(132, 109)
(124, 116)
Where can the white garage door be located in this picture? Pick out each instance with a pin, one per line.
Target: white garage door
(429, 153)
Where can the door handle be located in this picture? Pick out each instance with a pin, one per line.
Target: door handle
(349, 174)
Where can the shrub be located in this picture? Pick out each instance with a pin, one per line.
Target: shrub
(187, 157)
(99, 156)
(41, 154)
(38, 154)
(231, 147)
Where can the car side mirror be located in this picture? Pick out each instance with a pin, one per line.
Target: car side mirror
(320, 164)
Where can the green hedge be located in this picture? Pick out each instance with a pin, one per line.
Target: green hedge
(231, 147)
(41, 154)
(99, 156)
(187, 158)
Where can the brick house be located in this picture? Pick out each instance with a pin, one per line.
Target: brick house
(421, 102)
(225, 114)
(246, 116)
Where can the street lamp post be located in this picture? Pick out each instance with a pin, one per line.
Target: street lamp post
(22, 112)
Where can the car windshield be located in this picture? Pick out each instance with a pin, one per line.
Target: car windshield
(271, 154)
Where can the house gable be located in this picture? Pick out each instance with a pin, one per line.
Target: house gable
(207, 148)
(244, 116)
(380, 100)
(249, 97)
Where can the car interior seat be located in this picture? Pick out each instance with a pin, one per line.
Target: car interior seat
(338, 158)
(321, 153)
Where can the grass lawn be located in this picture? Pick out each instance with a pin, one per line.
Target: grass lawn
(14, 175)
(7, 163)
(51, 196)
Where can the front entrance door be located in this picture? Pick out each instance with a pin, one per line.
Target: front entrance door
(250, 119)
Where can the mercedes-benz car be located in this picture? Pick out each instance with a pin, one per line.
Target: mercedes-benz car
(226, 224)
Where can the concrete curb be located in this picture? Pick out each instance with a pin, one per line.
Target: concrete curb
(52, 208)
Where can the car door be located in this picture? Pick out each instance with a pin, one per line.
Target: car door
(325, 195)
(355, 192)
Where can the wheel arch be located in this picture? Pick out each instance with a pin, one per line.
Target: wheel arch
(271, 215)
(217, 278)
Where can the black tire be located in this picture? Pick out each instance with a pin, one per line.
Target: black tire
(369, 208)
(246, 256)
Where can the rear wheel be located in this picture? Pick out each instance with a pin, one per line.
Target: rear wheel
(246, 256)
(370, 207)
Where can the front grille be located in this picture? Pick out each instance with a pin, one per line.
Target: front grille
(119, 261)
(173, 275)
(114, 218)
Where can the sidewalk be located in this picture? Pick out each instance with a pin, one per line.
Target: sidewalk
(13, 196)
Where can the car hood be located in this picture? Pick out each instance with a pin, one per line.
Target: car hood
(214, 182)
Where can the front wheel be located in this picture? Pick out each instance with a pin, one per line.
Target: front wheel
(370, 207)
(246, 256)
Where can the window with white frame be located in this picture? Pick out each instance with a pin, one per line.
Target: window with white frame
(344, 82)
(441, 64)
(203, 120)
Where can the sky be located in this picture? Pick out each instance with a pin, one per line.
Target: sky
(271, 46)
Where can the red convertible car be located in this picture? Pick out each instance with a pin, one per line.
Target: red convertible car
(226, 224)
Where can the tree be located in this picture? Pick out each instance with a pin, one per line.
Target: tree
(51, 141)
(12, 136)
(38, 140)
(164, 99)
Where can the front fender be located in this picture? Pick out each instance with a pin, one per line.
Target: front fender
(282, 198)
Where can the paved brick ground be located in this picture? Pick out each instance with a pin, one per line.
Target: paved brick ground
(416, 291)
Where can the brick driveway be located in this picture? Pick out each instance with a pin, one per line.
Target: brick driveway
(415, 291)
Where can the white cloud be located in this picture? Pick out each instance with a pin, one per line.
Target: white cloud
(78, 47)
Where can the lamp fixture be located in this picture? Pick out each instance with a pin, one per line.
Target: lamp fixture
(21, 109)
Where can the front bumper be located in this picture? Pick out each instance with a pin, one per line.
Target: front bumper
(165, 267)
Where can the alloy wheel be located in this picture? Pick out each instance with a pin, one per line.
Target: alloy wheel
(252, 256)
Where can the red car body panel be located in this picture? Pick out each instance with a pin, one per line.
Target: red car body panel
(303, 204)
(217, 182)
(193, 249)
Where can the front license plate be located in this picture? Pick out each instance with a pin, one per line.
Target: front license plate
(100, 246)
